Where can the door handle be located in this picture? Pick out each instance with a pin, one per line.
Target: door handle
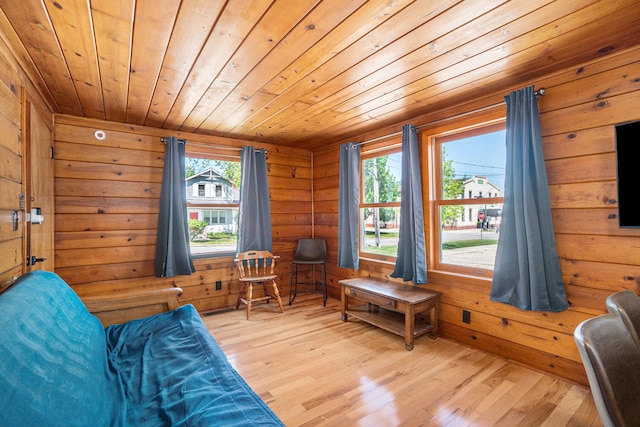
(33, 260)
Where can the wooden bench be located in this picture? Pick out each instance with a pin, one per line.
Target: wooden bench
(395, 307)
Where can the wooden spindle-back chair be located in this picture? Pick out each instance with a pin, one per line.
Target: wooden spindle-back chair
(257, 267)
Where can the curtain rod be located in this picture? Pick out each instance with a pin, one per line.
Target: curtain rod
(199, 144)
(538, 93)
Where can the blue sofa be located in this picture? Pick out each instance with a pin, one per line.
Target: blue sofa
(60, 367)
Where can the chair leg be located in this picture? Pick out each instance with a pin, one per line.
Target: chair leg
(240, 294)
(293, 289)
(266, 293)
(248, 298)
(277, 295)
(324, 288)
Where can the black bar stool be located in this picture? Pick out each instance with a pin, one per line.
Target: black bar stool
(309, 252)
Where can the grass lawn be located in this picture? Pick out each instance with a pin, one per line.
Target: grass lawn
(215, 242)
(383, 250)
(467, 243)
(393, 250)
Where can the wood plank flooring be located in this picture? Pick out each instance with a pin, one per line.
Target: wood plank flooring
(312, 369)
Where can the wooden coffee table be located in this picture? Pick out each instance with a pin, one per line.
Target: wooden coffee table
(395, 307)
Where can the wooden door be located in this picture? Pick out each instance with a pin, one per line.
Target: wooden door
(39, 189)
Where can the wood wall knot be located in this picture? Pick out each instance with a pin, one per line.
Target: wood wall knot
(601, 104)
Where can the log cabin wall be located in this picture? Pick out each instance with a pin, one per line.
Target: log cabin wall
(17, 94)
(578, 114)
(107, 199)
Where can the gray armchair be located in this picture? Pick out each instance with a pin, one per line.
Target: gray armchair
(612, 361)
(626, 304)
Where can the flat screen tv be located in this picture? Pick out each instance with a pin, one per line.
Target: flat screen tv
(628, 164)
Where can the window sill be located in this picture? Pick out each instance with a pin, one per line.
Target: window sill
(446, 277)
(385, 261)
(216, 255)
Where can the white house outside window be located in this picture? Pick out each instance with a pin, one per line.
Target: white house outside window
(212, 205)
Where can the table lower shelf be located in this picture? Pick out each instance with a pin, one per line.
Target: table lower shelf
(388, 320)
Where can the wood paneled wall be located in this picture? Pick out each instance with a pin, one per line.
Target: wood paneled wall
(107, 195)
(11, 241)
(107, 199)
(17, 90)
(578, 114)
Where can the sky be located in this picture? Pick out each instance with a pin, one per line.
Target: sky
(483, 155)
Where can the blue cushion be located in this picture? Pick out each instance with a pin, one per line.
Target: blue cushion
(58, 366)
(175, 374)
(53, 358)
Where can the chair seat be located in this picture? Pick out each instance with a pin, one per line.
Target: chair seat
(258, 279)
(308, 261)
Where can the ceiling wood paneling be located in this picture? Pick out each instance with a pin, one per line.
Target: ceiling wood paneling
(303, 72)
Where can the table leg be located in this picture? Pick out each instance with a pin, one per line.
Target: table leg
(433, 318)
(343, 303)
(409, 326)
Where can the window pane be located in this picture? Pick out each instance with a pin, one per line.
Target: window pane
(473, 241)
(381, 178)
(213, 214)
(383, 239)
(474, 167)
(379, 221)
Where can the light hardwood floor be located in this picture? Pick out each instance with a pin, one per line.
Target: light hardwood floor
(313, 369)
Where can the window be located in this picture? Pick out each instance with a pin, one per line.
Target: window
(215, 217)
(212, 205)
(470, 162)
(380, 203)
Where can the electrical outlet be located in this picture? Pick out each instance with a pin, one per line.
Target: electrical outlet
(218, 285)
(466, 316)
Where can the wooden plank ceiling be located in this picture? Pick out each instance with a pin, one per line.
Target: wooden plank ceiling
(302, 72)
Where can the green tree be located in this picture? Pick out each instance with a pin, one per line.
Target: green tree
(196, 227)
(380, 186)
(230, 171)
(194, 165)
(377, 171)
(452, 188)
